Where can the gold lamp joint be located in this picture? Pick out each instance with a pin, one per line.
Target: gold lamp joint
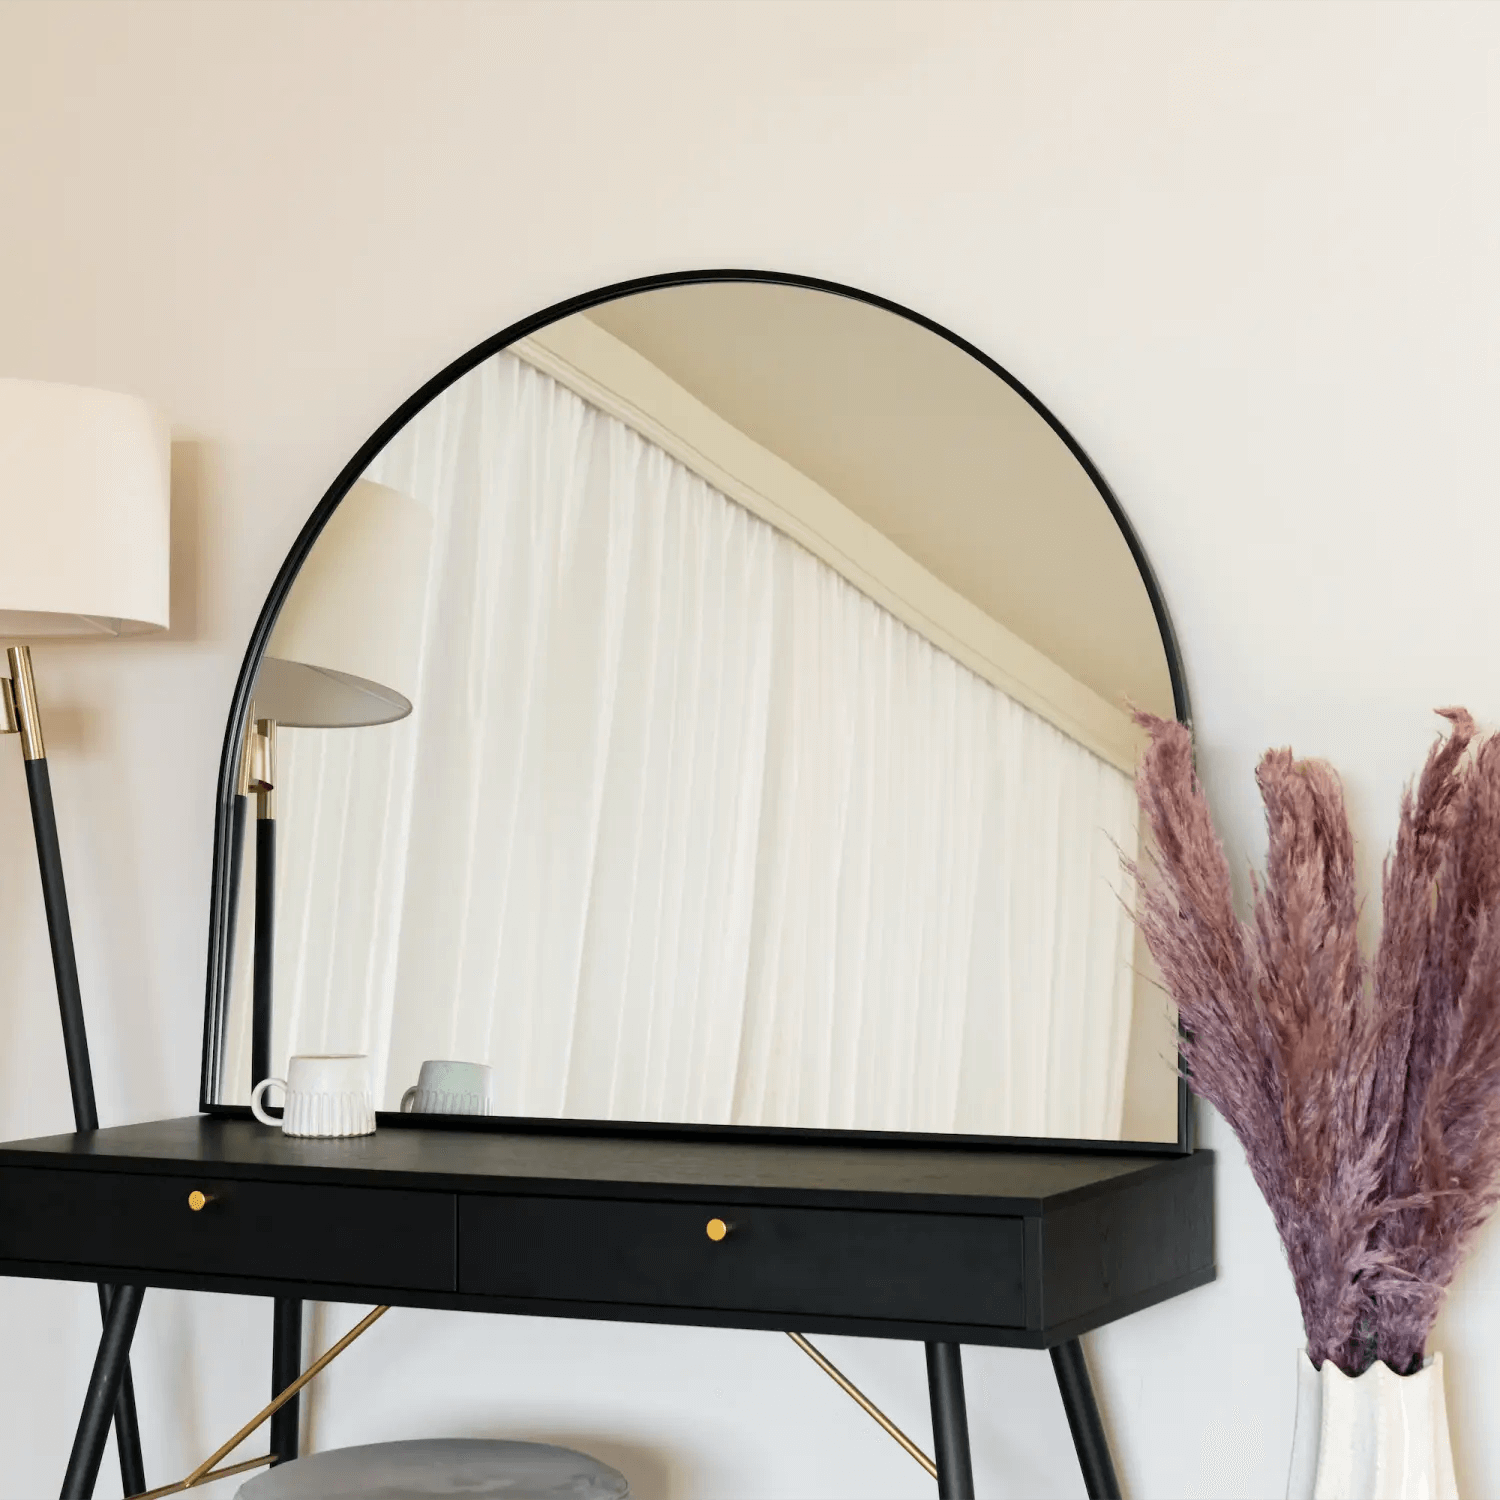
(260, 776)
(21, 711)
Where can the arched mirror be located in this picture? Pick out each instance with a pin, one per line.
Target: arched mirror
(705, 705)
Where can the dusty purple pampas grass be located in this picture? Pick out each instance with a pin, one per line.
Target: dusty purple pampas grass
(1366, 1094)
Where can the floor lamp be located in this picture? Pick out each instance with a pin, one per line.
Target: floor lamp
(345, 654)
(85, 483)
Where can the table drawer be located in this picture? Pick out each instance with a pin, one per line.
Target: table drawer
(351, 1236)
(952, 1268)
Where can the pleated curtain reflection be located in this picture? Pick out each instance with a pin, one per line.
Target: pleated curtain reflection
(685, 827)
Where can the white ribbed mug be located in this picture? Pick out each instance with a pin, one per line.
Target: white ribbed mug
(325, 1096)
(451, 1088)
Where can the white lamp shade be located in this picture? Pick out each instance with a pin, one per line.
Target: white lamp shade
(85, 496)
(347, 643)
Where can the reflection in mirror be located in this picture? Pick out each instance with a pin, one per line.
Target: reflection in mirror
(711, 709)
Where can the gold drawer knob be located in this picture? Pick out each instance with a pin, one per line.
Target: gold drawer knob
(198, 1200)
(717, 1230)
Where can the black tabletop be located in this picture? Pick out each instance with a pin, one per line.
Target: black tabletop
(956, 1179)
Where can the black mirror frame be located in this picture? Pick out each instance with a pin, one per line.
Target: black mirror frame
(216, 1005)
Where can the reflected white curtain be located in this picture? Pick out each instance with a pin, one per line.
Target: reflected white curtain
(685, 827)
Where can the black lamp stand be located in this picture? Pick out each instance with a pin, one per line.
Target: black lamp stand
(21, 715)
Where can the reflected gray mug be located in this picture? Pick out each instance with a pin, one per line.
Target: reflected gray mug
(451, 1088)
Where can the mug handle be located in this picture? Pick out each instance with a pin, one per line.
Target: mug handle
(255, 1094)
(406, 1099)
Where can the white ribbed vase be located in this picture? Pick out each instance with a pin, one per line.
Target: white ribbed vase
(1376, 1436)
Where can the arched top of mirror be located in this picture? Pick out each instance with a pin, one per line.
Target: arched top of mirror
(917, 437)
(867, 501)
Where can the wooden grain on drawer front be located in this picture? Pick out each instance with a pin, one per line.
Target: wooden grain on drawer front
(834, 1262)
(309, 1232)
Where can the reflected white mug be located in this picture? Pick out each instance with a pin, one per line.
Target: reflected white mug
(451, 1088)
(325, 1096)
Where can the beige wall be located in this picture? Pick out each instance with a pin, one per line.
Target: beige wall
(1247, 253)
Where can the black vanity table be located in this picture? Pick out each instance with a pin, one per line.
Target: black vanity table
(946, 1246)
(929, 1096)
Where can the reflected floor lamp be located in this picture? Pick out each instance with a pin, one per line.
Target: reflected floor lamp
(344, 655)
(85, 484)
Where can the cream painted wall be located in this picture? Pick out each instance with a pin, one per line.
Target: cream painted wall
(1248, 253)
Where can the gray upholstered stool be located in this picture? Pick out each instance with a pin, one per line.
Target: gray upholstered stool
(440, 1466)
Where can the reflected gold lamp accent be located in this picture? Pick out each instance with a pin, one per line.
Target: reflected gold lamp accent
(85, 501)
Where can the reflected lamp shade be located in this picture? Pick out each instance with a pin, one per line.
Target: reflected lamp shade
(85, 494)
(347, 644)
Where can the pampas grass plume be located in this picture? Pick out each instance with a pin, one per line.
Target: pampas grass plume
(1366, 1093)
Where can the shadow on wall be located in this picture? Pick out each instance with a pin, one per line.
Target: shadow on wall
(190, 482)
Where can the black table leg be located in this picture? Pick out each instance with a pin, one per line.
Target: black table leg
(127, 1425)
(1083, 1418)
(286, 1366)
(950, 1422)
(103, 1391)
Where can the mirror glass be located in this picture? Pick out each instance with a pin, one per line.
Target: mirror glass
(711, 709)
